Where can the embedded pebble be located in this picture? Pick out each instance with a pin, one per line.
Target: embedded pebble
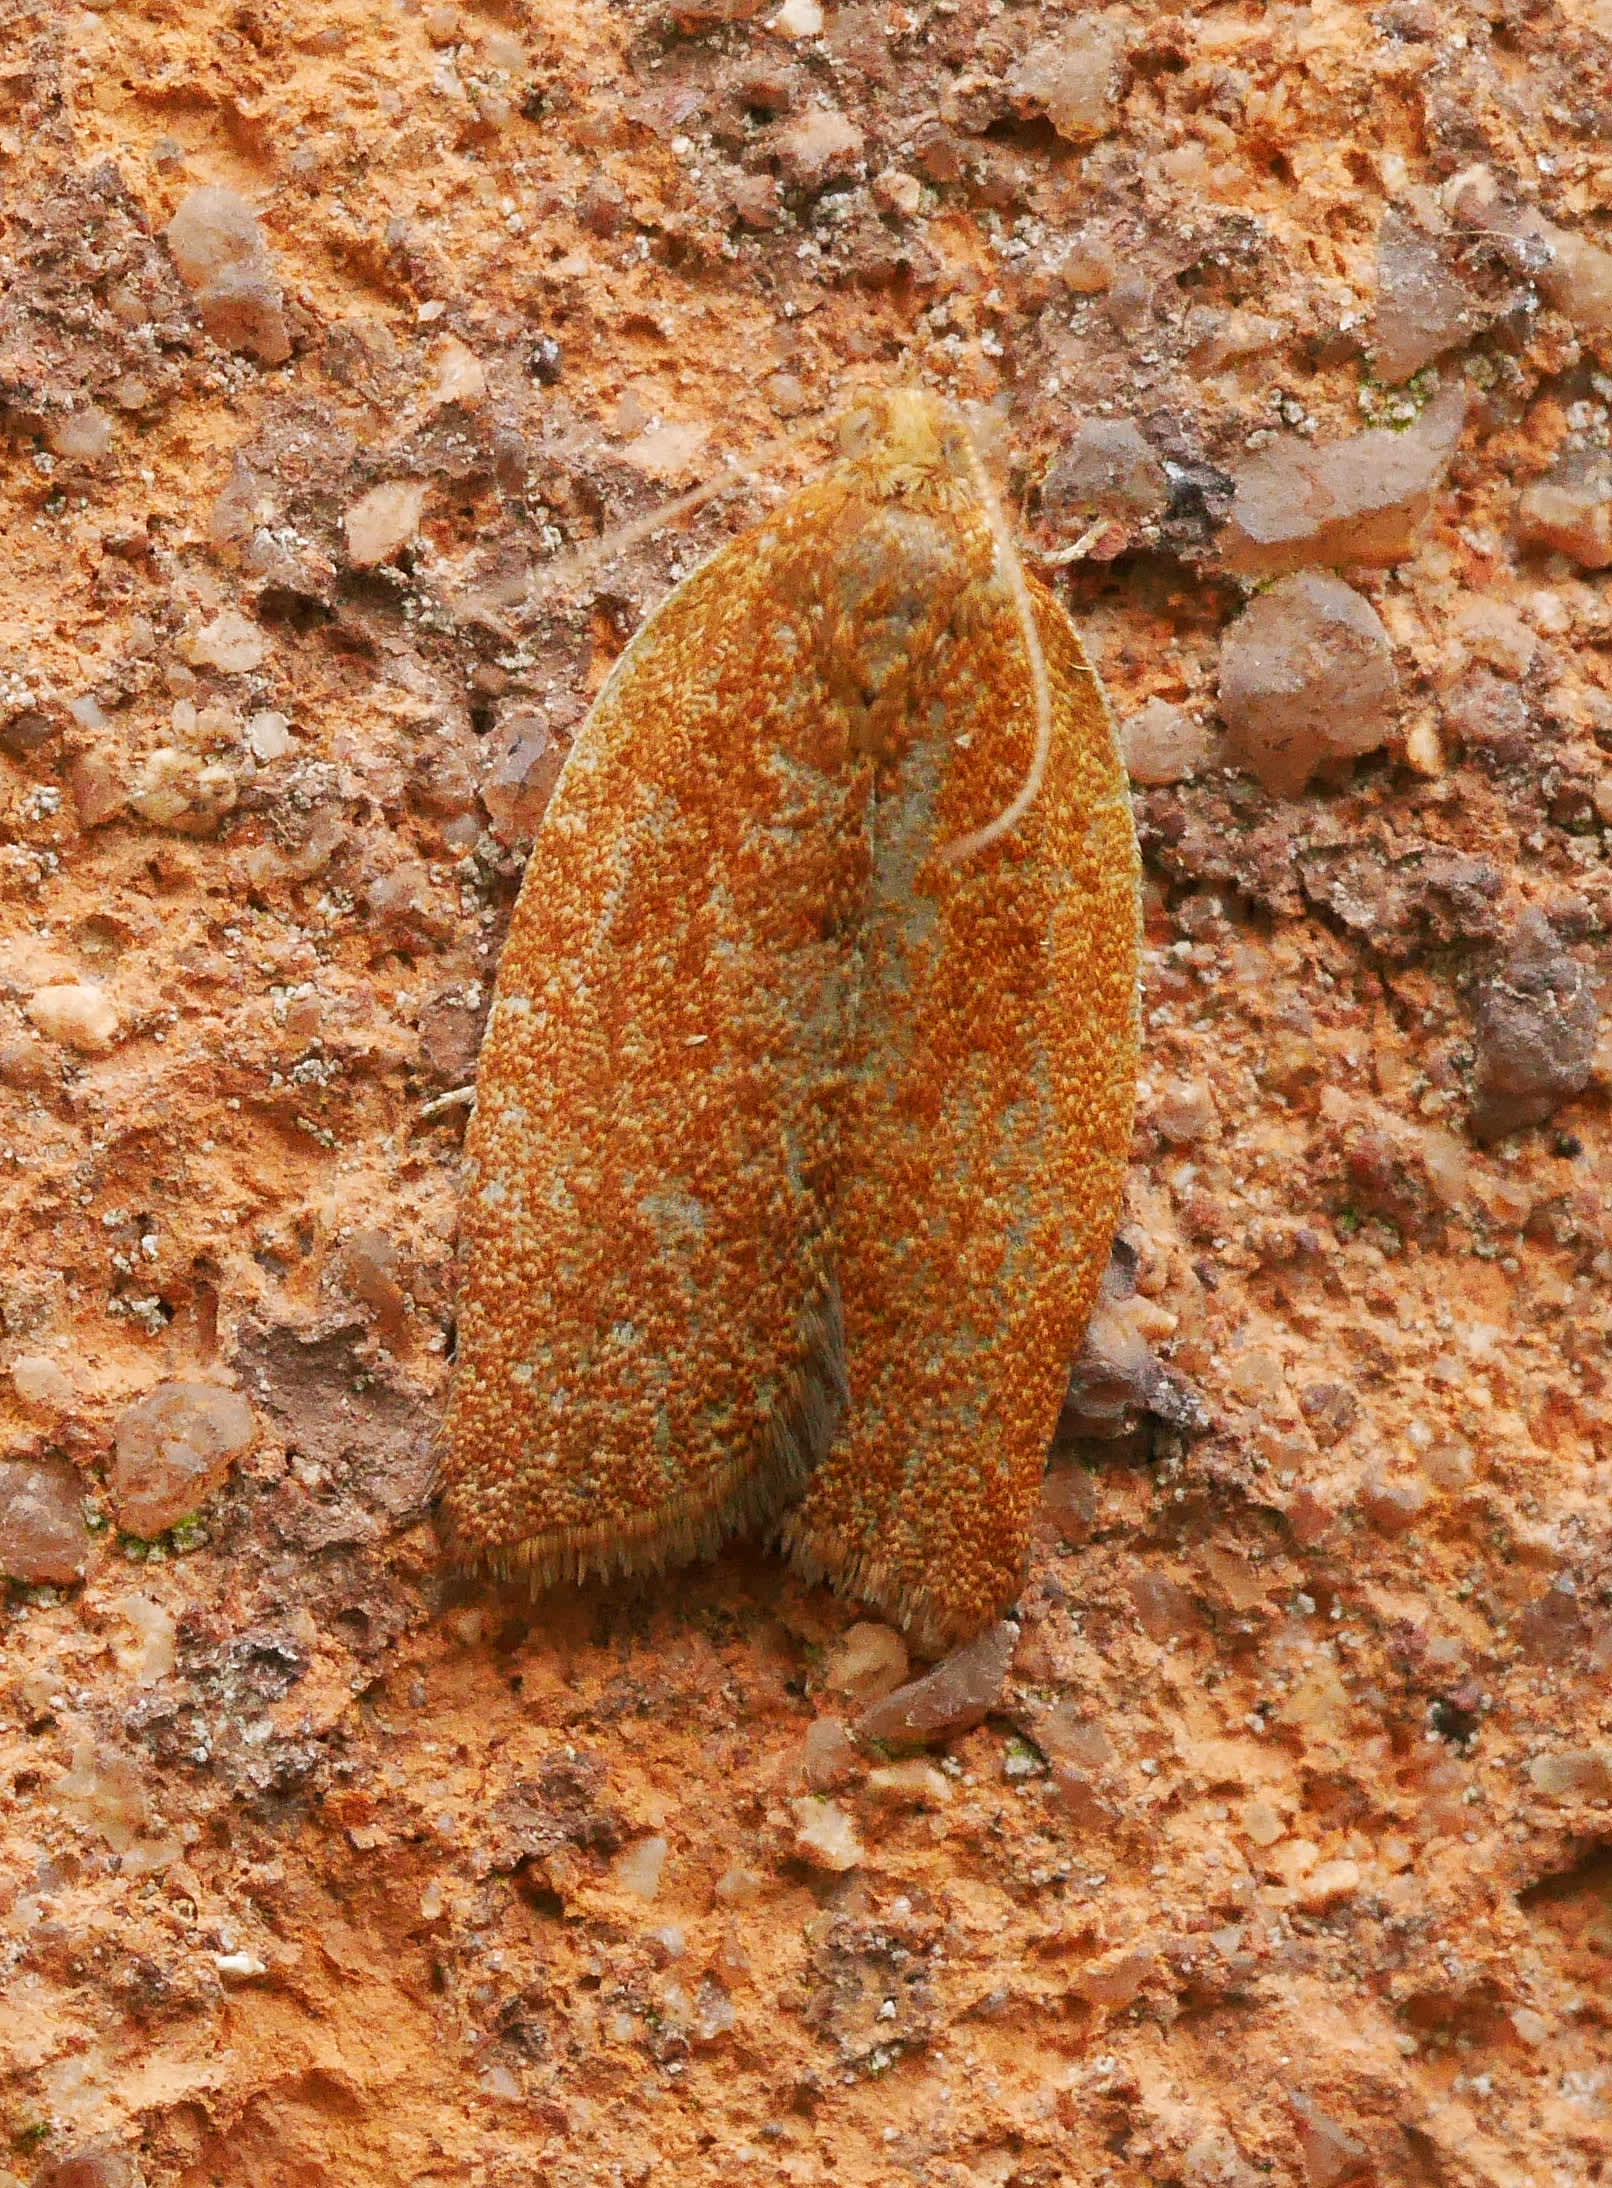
(152, 1658)
(372, 1264)
(99, 791)
(1183, 1111)
(1085, 264)
(638, 1869)
(24, 1065)
(239, 1967)
(1574, 273)
(832, 1758)
(1306, 675)
(218, 247)
(1578, 278)
(1221, 338)
(1354, 500)
(1449, 1464)
(83, 436)
(526, 761)
(103, 1793)
(1537, 1025)
(78, 1014)
(444, 783)
(816, 147)
(1069, 1499)
(400, 891)
(1393, 1507)
(957, 1695)
(28, 731)
(1327, 1884)
(1115, 1979)
(461, 377)
(1486, 629)
(231, 643)
(179, 790)
(738, 1886)
(1574, 1774)
(1331, 2155)
(1423, 305)
(754, 199)
(867, 1661)
(1105, 469)
(1570, 513)
(40, 1383)
(382, 522)
(1261, 1822)
(1073, 77)
(714, 2013)
(895, 191)
(915, 1781)
(1165, 1610)
(1162, 744)
(667, 452)
(43, 1538)
(824, 1834)
(1489, 715)
(268, 735)
(173, 1448)
(1117, 1374)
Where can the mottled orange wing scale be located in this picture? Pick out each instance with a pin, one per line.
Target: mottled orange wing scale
(797, 1148)
(983, 1153)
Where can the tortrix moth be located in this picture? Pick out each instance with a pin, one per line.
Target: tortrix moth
(804, 1102)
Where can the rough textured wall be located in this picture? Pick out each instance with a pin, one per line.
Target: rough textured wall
(1281, 1851)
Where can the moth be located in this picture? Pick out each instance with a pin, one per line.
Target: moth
(805, 1098)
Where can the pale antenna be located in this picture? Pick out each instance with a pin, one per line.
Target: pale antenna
(1011, 570)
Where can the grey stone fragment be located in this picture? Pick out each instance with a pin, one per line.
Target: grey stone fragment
(1306, 675)
(173, 1447)
(1105, 469)
(1423, 306)
(218, 248)
(958, 1694)
(43, 1539)
(1537, 1020)
(1569, 512)
(1355, 500)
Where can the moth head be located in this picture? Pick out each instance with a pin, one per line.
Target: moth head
(908, 443)
(905, 432)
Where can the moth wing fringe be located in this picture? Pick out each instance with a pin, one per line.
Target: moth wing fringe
(870, 1580)
(745, 1495)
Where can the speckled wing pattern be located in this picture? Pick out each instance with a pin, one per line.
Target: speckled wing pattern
(982, 1156)
(798, 1147)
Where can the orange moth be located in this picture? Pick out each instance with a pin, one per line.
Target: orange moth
(804, 1104)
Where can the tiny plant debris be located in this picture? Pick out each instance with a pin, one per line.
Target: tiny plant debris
(805, 1099)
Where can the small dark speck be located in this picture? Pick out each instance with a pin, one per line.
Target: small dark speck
(1452, 1722)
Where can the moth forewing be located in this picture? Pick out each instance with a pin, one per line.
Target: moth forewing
(796, 1189)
